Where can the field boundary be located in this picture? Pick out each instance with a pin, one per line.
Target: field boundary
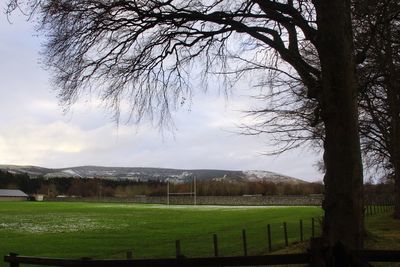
(15, 260)
(338, 257)
(249, 200)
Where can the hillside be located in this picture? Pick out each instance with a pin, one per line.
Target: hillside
(148, 174)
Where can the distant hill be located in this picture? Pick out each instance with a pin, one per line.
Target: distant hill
(148, 174)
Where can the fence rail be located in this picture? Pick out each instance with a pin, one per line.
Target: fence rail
(379, 255)
(301, 258)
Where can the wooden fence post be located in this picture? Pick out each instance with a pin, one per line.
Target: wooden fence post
(244, 242)
(129, 255)
(285, 234)
(85, 261)
(269, 238)
(14, 264)
(215, 239)
(301, 231)
(178, 248)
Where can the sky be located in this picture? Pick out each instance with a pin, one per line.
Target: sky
(34, 129)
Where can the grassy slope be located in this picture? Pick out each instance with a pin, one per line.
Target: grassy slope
(109, 230)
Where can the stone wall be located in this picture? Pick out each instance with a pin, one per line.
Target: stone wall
(313, 200)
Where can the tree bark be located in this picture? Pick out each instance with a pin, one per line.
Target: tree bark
(343, 203)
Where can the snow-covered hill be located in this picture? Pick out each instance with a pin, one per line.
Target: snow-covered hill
(254, 175)
(148, 174)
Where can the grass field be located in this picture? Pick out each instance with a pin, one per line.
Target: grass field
(102, 230)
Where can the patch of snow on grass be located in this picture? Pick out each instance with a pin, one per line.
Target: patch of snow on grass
(51, 224)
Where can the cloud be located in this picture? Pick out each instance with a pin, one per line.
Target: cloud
(34, 130)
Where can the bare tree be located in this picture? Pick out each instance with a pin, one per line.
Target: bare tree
(285, 115)
(376, 24)
(380, 90)
(143, 51)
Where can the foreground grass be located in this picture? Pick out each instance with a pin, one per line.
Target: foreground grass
(99, 230)
(382, 233)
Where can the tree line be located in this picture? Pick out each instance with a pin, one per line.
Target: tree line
(95, 187)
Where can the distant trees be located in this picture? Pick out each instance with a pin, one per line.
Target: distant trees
(18, 181)
(213, 188)
(98, 188)
(101, 188)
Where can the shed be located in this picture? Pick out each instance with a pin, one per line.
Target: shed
(12, 195)
(39, 197)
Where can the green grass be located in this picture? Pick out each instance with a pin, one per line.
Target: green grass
(103, 230)
(383, 232)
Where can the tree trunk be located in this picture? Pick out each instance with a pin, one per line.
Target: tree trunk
(343, 203)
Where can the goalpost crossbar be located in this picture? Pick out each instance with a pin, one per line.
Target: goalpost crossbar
(189, 193)
(192, 193)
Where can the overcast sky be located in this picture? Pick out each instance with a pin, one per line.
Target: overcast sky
(35, 131)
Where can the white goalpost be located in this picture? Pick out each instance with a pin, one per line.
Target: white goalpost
(193, 193)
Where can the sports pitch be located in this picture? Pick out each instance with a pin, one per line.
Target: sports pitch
(109, 230)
